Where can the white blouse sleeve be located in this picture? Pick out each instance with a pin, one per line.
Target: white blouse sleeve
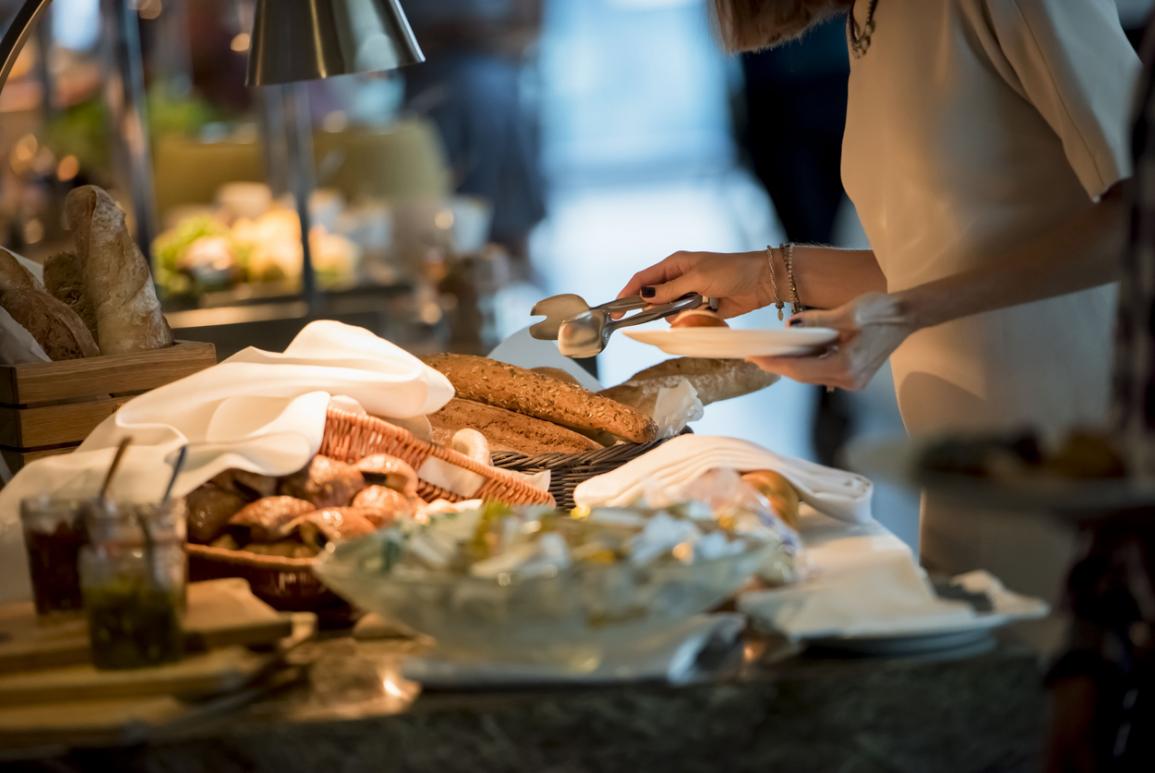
(1075, 65)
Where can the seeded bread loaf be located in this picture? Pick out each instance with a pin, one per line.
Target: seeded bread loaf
(532, 394)
(506, 430)
(713, 380)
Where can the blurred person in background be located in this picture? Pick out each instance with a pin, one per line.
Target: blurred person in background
(985, 145)
(473, 86)
(1103, 685)
(794, 108)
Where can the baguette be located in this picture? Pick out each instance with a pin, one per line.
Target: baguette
(506, 430)
(117, 281)
(64, 278)
(532, 394)
(713, 380)
(57, 328)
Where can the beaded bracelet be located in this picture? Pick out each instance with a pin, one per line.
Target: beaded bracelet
(788, 258)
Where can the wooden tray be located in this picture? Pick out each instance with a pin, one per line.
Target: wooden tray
(220, 613)
(198, 676)
(48, 408)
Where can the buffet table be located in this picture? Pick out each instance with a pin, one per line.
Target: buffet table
(758, 711)
(755, 705)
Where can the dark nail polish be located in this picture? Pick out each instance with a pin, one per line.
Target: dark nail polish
(794, 322)
(649, 292)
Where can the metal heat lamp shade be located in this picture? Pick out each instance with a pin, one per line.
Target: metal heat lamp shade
(300, 40)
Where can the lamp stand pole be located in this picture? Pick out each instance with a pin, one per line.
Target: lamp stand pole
(128, 113)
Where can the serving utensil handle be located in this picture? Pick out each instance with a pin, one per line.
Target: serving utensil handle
(662, 310)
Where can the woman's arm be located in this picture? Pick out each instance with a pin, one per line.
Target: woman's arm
(741, 281)
(828, 277)
(1080, 253)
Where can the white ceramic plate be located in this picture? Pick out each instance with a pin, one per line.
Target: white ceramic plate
(729, 343)
(979, 639)
(896, 460)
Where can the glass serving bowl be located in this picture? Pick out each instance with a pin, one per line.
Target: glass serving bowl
(571, 618)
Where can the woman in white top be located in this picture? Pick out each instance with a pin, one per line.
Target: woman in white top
(985, 141)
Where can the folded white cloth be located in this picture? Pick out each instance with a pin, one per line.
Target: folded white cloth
(676, 463)
(670, 656)
(889, 595)
(259, 411)
(867, 584)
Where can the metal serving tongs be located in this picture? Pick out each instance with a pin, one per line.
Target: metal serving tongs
(583, 331)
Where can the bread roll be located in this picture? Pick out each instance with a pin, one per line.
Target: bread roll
(698, 318)
(13, 275)
(210, 508)
(117, 281)
(55, 327)
(382, 505)
(325, 482)
(64, 278)
(389, 471)
(713, 380)
(320, 527)
(516, 389)
(780, 492)
(268, 520)
(506, 430)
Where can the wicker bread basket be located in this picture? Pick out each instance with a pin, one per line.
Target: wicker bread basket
(568, 471)
(289, 583)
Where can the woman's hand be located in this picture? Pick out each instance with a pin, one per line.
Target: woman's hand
(869, 329)
(737, 281)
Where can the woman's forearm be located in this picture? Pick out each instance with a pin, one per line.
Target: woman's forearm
(1082, 252)
(828, 277)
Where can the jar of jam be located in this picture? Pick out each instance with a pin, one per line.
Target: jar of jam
(54, 533)
(133, 578)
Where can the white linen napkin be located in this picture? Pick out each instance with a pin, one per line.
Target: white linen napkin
(676, 463)
(881, 594)
(670, 656)
(259, 411)
(889, 595)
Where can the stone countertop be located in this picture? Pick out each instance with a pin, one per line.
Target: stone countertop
(754, 708)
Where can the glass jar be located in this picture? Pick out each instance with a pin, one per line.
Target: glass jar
(133, 584)
(54, 533)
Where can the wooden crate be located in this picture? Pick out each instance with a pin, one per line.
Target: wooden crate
(48, 408)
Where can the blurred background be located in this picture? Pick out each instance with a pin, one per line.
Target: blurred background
(545, 146)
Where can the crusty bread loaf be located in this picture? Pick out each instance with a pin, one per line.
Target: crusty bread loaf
(54, 326)
(713, 380)
(506, 430)
(532, 394)
(13, 276)
(64, 278)
(117, 281)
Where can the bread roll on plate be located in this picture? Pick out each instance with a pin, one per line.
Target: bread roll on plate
(698, 318)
